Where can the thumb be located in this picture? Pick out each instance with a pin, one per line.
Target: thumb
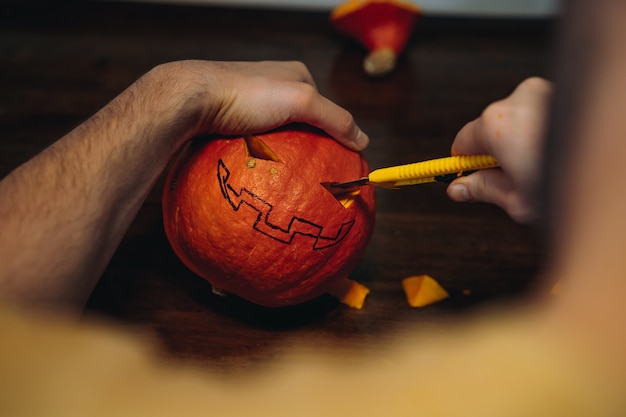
(491, 186)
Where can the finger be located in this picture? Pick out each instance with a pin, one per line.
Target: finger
(340, 124)
(491, 186)
(322, 113)
(470, 140)
(534, 90)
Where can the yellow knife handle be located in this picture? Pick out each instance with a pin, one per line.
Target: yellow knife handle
(432, 168)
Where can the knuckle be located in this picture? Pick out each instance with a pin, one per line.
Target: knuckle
(493, 114)
(302, 71)
(299, 66)
(305, 95)
(537, 84)
(346, 122)
(495, 110)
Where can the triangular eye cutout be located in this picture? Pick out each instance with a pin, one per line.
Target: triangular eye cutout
(345, 198)
(256, 148)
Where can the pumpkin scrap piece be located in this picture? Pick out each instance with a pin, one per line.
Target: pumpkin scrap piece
(556, 289)
(349, 292)
(382, 26)
(423, 290)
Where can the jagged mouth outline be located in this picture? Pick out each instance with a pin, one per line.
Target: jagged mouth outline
(297, 225)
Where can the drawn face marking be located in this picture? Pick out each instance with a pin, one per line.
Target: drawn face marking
(263, 223)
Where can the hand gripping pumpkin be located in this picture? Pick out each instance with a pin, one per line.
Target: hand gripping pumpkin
(251, 215)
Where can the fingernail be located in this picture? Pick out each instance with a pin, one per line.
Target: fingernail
(459, 192)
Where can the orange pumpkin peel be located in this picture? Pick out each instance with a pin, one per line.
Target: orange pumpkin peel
(423, 290)
(382, 26)
(349, 292)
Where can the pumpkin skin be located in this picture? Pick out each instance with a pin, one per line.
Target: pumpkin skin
(266, 230)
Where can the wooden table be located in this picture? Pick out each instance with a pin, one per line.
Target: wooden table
(61, 62)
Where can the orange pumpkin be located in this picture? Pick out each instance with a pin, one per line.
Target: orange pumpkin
(251, 216)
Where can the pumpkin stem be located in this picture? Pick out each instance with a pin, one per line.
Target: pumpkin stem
(382, 26)
(380, 62)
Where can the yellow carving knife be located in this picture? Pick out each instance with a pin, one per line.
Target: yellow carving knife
(441, 169)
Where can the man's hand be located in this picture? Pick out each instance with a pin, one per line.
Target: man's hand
(512, 130)
(65, 211)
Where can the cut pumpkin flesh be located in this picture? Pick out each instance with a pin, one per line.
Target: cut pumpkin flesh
(349, 292)
(423, 290)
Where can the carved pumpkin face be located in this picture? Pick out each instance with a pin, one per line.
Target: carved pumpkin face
(251, 215)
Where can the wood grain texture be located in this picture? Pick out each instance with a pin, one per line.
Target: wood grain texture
(61, 62)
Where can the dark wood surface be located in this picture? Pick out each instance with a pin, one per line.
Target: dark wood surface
(60, 62)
